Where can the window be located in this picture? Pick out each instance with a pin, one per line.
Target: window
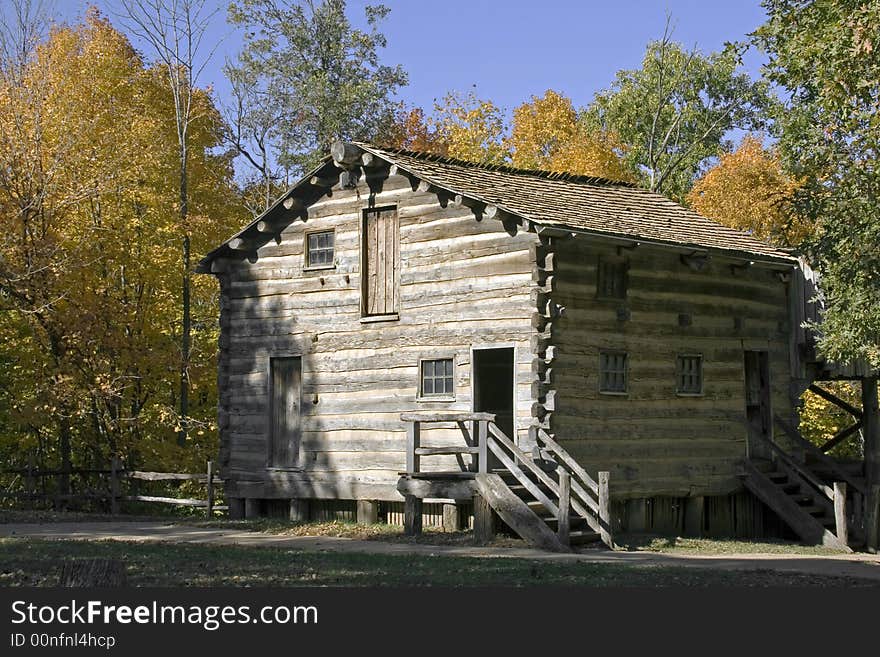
(612, 371)
(320, 249)
(611, 278)
(689, 375)
(437, 378)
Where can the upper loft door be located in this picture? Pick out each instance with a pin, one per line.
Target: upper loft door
(758, 411)
(380, 256)
(492, 372)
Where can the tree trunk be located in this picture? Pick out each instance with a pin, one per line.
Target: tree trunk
(187, 321)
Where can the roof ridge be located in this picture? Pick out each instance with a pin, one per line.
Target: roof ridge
(504, 168)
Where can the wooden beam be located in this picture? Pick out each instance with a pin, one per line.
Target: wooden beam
(563, 518)
(840, 436)
(346, 153)
(837, 401)
(325, 181)
(293, 203)
(243, 244)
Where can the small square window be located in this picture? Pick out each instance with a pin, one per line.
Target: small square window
(689, 375)
(320, 249)
(611, 278)
(437, 378)
(612, 371)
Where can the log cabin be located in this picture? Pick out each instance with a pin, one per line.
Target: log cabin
(567, 355)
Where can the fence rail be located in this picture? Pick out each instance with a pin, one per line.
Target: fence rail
(113, 491)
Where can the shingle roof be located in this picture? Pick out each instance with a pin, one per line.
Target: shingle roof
(579, 203)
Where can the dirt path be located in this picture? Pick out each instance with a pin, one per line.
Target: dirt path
(849, 565)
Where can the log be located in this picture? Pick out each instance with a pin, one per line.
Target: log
(293, 203)
(92, 573)
(346, 153)
(367, 512)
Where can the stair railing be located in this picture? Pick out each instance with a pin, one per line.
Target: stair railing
(588, 498)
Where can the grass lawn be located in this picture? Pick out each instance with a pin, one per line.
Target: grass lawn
(31, 562)
(680, 545)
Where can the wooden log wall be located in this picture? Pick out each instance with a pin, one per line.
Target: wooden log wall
(463, 283)
(654, 441)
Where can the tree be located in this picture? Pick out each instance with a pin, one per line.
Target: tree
(824, 54)
(748, 190)
(413, 131)
(175, 29)
(673, 113)
(323, 76)
(89, 274)
(472, 129)
(547, 133)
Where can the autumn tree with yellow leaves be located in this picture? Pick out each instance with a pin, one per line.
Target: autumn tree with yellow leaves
(89, 276)
(547, 133)
(748, 190)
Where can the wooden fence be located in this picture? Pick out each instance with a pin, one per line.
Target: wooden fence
(112, 491)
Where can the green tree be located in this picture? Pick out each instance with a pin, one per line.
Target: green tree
(825, 54)
(323, 76)
(673, 113)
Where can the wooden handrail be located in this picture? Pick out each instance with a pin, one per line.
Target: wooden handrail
(805, 474)
(499, 436)
(566, 458)
(795, 435)
(447, 417)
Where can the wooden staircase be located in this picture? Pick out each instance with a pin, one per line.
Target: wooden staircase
(545, 496)
(817, 510)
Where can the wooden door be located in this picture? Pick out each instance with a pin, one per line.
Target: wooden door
(758, 411)
(285, 393)
(380, 255)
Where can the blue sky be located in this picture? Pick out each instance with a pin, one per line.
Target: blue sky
(515, 49)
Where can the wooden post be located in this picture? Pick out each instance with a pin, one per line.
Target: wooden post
(872, 518)
(251, 508)
(840, 512)
(451, 518)
(484, 520)
(412, 515)
(413, 438)
(114, 484)
(236, 508)
(871, 432)
(30, 483)
(483, 446)
(367, 512)
(563, 519)
(299, 510)
(693, 516)
(210, 507)
(605, 509)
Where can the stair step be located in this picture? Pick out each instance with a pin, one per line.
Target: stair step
(581, 537)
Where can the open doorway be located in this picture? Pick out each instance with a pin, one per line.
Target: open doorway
(493, 381)
(758, 411)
